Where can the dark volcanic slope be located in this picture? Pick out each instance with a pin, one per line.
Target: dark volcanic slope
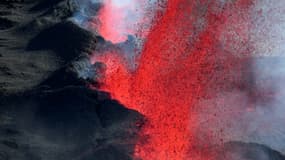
(36, 39)
(20, 69)
(68, 123)
(46, 110)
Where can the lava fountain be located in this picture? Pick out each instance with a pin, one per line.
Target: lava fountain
(176, 64)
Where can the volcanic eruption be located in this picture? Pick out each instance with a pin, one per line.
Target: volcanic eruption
(192, 51)
(174, 66)
(142, 80)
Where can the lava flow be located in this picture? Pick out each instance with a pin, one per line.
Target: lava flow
(175, 67)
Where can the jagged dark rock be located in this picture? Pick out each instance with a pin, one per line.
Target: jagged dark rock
(6, 23)
(44, 4)
(66, 38)
(47, 110)
(78, 72)
(70, 116)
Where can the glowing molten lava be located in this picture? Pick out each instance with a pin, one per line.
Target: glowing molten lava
(175, 67)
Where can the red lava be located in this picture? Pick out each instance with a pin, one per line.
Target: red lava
(175, 69)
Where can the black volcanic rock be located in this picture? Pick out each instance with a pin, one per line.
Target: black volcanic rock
(61, 11)
(49, 15)
(46, 109)
(43, 4)
(6, 23)
(80, 122)
(113, 153)
(76, 73)
(66, 38)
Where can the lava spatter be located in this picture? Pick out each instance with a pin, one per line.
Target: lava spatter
(176, 64)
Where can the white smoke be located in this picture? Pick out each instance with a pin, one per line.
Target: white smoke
(115, 20)
(124, 24)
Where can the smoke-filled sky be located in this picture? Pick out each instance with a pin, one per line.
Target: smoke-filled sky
(265, 124)
(246, 38)
(259, 116)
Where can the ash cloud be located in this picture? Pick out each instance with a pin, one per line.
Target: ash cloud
(267, 122)
(254, 114)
